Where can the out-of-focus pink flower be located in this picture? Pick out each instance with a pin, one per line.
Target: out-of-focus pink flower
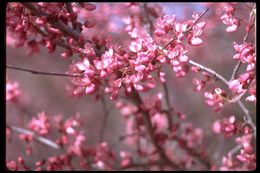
(12, 90)
(40, 124)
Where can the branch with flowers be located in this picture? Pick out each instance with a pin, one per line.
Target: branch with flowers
(124, 73)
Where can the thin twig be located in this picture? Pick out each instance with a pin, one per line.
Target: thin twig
(233, 76)
(43, 73)
(184, 32)
(168, 113)
(40, 139)
(237, 66)
(235, 149)
(104, 123)
(208, 70)
(139, 165)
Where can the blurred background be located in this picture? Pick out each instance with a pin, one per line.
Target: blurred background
(49, 94)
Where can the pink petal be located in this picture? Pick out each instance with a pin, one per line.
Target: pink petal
(195, 41)
(159, 32)
(183, 58)
(201, 25)
(135, 47)
(81, 66)
(231, 28)
(140, 67)
(90, 89)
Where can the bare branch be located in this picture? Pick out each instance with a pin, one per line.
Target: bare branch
(40, 139)
(43, 73)
(104, 123)
(168, 112)
(210, 71)
(140, 165)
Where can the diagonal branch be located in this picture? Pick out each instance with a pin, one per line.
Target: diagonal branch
(218, 76)
(55, 23)
(75, 34)
(40, 139)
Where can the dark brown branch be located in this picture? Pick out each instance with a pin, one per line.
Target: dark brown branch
(43, 73)
(184, 32)
(135, 97)
(70, 10)
(104, 122)
(195, 154)
(55, 23)
(61, 26)
(56, 41)
(168, 112)
(140, 165)
(148, 19)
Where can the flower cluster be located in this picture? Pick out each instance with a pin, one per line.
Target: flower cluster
(229, 19)
(228, 126)
(41, 124)
(213, 99)
(245, 160)
(17, 165)
(128, 63)
(246, 54)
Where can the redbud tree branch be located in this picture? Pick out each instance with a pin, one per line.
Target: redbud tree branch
(38, 138)
(42, 73)
(75, 35)
(168, 112)
(104, 122)
(69, 31)
(55, 23)
(213, 73)
(135, 97)
(140, 165)
(251, 18)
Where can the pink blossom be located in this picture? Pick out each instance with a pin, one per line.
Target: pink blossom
(12, 90)
(41, 124)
